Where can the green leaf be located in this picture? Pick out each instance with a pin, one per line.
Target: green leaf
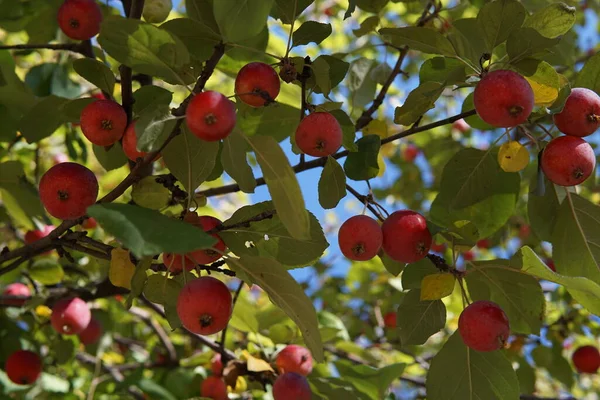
(235, 162)
(440, 69)
(459, 373)
(527, 42)
(71, 110)
(474, 121)
(49, 78)
(362, 165)
(64, 350)
(95, 72)
(287, 10)
(368, 25)
(244, 316)
(555, 363)
(310, 32)
(283, 186)
(589, 76)
(138, 281)
(150, 194)
(417, 320)
(421, 39)
(19, 197)
(332, 184)
(418, 102)
(190, 159)
(202, 11)
(112, 158)
(144, 47)
(498, 19)
(53, 384)
(336, 72)
(526, 376)
(360, 83)
(575, 238)
(391, 266)
(162, 290)
(240, 19)
(468, 41)
(280, 244)
(148, 98)
(542, 211)
(146, 232)
(287, 294)
(153, 128)
(584, 290)
(415, 272)
(348, 129)
(199, 38)
(461, 200)
(154, 390)
(372, 381)
(277, 120)
(320, 72)
(47, 271)
(42, 119)
(520, 296)
(553, 20)
(335, 388)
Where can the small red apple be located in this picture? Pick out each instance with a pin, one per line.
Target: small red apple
(23, 367)
(16, 289)
(70, 316)
(291, 386)
(92, 333)
(360, 238)
(257, 84)
(210, 315)
(214, 388)
(319, 134)
(586, 359)
(390, 320)
(406, 237)
(80, 19)
(294, 358)
(103, 122)
(410, 152)
(210, 116)
(483, 326)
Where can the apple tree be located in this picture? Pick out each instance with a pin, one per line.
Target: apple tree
(299, 199)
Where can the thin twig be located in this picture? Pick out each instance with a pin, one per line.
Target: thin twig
(158, 329)
(74, 47)
(224, 334)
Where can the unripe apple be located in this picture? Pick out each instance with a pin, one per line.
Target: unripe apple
(390, 320)
(503, 99)
(484, 326)
(581, 113)
(204, 305)
(210, 116)
(294, 358)
(157, 11)
(92, 333)
(586, 359)
(67, 190)
(23, 367)
(103, 122)
(360, 238)
(257, 84)
(70, 316)
(406, 237)
(291, 386)
(16, 289)
(319, 134)
(568, 160)
(80, 19)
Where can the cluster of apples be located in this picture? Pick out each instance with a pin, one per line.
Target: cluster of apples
(404, 237)
(505, 99)
(70, 316)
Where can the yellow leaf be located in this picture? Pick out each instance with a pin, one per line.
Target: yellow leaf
(240, 386)
(43, 311)
(380, 164)
(438, 286)
(111, 358)
(543, 95)
(376, 127)
(256, 364)
(121, 268)
(513, 157)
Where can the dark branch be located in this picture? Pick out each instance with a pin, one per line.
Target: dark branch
(158, 329)
(74, 47)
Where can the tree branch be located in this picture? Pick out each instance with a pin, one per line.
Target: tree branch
(319, 162)
(74, 47)
(158, 329)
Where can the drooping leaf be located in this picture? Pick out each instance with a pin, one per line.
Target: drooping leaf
(439, 69)
(371, 381)
(145, 48)
(575, 238)
(366, 26)
(589, 76)
(19, 197)
(417, 320)
(112, 158)
(418, 102)
(239, 19)
(148, 98)
(437, 286)
(310, 32)
(235, 162)
(277, 120)
(542, 211)
(283, 186)
(190, 159)
(527, 42)
(498, 19)
(362, 164)
(153, 127)
(421, 39)
(471, 374)
(332, 184)
(146, 232)
(121, 268)
(42, 119)
(287, 11)
(95, 72)
(554, 20)
(162, 290)
(199, 38)
(287, 294)
(414, 273)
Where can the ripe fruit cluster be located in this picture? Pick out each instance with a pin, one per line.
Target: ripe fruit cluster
(569, 160)
(294, 363)
(404, 237)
